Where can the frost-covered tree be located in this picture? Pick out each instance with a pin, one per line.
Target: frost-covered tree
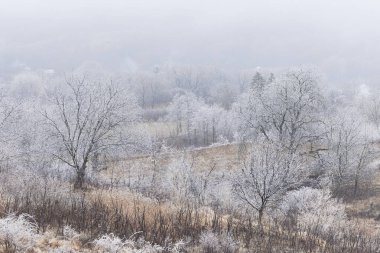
(181, 111)
(196, 79)
(211, 122)
(10, 119)
(349, 151)
(198, 122)
(86, 119)
(370, 107)
(151, 88)
(34, 153)
(286, 110)
(267, 175)
(258, 82)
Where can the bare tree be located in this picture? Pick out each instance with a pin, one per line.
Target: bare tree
(86, 119)
(285, 110)
(258, 81)
(349, 152)
(181, 111)
(268, 175)
(371, 109)
(9, 118)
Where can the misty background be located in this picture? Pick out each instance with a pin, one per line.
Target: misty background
(189, 126)
(338, 38)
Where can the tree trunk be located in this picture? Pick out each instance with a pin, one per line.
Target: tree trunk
(213, 133)
(261, 212)
(79, 181)
(356, 185)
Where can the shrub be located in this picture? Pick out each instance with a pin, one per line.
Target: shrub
(209, 242)
(315, 210)
(18, 233)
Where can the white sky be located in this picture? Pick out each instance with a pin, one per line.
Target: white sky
(340, 37)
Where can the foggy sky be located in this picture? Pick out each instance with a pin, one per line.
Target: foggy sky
(340, 37)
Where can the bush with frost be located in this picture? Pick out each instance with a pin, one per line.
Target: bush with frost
(112, 244)
(18, 233)
(211, 242)
(177, 247)
(66, 247)
(227, 243)
(182, 182)
(144, 246)
(314, 210)
(69, 233)
(22, 182)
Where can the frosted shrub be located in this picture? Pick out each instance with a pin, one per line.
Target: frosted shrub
(18, 233)
(109, 243)
(21, 182)
(228, 243)
(209, 242)
(177, 247)
(220, 192)
(182, 182)
(69, 233)
(113, 244)
(63, 249)
(146, 247)
(315, 209)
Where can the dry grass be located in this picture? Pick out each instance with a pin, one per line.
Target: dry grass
(223, 157)
(226, 157)
(158, 129)
(123, 212)
(366, 211)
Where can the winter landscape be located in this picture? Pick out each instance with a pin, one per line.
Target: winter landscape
(204, 126)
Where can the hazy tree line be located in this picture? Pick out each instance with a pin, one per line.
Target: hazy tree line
(81, 121)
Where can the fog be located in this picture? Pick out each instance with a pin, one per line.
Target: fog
(339, 38)
(189, 126)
